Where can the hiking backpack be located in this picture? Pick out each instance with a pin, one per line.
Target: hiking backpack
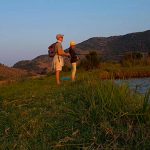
(51, 50)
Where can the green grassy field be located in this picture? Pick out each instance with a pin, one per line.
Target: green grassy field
(87, 114)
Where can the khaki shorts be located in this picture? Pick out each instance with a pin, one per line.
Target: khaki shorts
(58, 66)
(57, 63)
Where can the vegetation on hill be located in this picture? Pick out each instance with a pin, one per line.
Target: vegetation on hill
(115, 47)
(7, 73)
(86, 114)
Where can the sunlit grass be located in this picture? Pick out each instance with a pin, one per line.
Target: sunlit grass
(89, 114)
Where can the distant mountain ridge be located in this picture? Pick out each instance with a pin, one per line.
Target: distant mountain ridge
(118, 45)
(111, 48)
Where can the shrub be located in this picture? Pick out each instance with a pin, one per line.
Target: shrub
(133, 58)
(91, 61)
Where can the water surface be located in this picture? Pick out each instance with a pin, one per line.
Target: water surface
(141, 85)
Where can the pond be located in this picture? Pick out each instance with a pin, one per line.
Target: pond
(140, 85)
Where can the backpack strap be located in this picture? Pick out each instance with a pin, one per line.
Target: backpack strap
(57, 52)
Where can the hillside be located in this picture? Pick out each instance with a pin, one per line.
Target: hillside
(7, 73)
(115, 46)
(111, 48)
(39, 65)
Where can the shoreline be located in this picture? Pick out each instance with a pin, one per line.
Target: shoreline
(124, 73)
(120, 76)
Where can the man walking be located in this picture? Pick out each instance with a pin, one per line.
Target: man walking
(58, 61)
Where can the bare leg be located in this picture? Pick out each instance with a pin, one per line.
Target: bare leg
(58, 77)
(73, 71)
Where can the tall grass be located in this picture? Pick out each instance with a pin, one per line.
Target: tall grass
(86, 114)
(109, 70)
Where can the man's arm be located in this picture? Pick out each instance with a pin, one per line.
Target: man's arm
(62, 53)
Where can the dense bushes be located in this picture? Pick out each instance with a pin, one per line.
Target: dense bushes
(91, 61)
(135, 58)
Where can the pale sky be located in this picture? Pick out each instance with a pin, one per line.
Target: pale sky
(28, 27)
